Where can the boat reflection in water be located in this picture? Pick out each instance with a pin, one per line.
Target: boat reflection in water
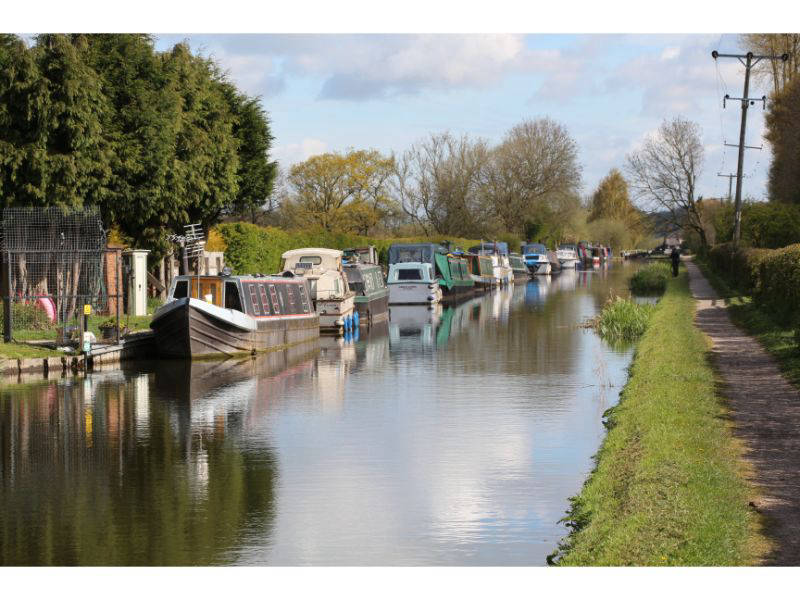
(141, 467)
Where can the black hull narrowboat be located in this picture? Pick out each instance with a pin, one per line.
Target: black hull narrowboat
(372, 294)
(245, 316)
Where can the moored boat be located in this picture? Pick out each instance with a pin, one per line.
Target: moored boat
(519, 267)
(555, 264)
(498, 253)
(450, 270)
(333, 299)
(481, 271)
(413, 283)
(227, 315)
(536, 259)
(372, 293)
(568, 256)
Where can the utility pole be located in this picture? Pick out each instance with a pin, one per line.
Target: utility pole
(750, 60)
(730, 177)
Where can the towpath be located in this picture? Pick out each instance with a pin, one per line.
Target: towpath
(766, 413)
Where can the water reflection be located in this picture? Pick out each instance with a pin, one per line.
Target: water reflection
(137, 467)
(449, 435)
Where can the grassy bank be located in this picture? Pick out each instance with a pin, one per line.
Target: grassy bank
(669, 486)
(776, 337)
(13, 350)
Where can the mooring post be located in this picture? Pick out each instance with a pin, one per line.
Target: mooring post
(7, 300)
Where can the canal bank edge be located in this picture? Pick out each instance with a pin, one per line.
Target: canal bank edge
(670, 483)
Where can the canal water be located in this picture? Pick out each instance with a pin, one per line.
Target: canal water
(451, 436)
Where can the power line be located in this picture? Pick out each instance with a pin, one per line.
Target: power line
(750, 60)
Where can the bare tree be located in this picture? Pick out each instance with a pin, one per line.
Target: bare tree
(534, 169)
(664, 172)
(438, 182)
(778, 72)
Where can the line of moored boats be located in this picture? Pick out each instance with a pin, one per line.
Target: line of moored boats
(320, 290)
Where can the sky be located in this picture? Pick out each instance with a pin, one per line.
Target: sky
(332, 92)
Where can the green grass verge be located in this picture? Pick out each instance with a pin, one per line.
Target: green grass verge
(49, 333)
(669, 484)
(779, 340)
(14, 351)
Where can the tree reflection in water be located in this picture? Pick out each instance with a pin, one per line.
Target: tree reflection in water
(136, 468)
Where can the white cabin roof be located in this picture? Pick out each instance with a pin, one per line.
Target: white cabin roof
(321, 252)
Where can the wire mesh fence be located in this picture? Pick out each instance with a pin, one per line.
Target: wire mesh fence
(54, 263)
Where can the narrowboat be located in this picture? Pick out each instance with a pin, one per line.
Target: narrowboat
(413, 283)
(568, 256)
(333, 299)
(229, 315)
(450, 270)
(498, 253)
(481, 271)
(372, 294)
(519, 267)
(536, 259)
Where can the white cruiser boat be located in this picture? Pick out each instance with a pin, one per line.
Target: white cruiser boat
(568, 256)
(333, 299)
(536, 258)
(413, 283)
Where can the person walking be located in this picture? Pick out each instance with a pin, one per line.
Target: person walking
(675, 255)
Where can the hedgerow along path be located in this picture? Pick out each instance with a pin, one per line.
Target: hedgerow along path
(765, 409)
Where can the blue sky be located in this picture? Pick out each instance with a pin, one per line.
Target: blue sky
(329, 92)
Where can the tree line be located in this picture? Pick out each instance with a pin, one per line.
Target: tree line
(156, 140)
(160, 139)
(528, 185)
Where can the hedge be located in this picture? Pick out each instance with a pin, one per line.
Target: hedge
(778, 287)
(771, 277)
(255, 249)
(741, 268)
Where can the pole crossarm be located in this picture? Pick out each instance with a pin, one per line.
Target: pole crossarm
(746, 146)
(784, 57)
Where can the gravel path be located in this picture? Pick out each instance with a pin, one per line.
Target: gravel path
(766, 413)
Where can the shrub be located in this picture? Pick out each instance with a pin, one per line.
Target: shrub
(623, 320)
(778, 287)
(764, 224)
(28, 317)
(742, 268)
(651, 278)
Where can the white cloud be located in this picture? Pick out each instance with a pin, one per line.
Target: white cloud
(670, 52)
(360, 67)
(289, 154)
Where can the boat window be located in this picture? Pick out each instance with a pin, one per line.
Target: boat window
(181, 289)
(314, 260)
(254, 299)
(232, 299)
(291, 295)
(336, 286)
(409, 275)
(304, 299)
(262, 292)
(277, 308)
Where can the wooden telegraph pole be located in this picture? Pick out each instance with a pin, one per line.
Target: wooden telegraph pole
(749, 60)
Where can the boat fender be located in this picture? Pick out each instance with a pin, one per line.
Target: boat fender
(355, 320)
